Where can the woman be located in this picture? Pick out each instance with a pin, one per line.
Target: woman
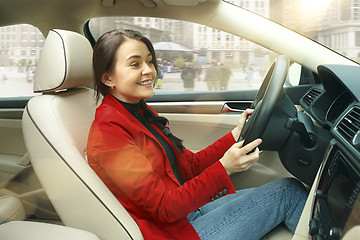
(171, 192)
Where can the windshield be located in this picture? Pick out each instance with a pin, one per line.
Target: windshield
(333, 23)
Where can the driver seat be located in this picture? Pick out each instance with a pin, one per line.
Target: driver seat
(55, 127)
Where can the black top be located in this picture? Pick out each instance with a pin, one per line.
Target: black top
(134, 109)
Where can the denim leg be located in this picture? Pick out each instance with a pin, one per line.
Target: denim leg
(251, 213)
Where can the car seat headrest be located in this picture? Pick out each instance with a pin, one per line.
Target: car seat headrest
(65, 62)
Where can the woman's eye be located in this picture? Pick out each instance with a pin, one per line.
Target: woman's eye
(150, 62)
(135, 64)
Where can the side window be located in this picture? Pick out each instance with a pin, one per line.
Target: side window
(20, 47)
(194, 57)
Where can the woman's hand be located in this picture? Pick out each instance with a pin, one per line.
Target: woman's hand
(237, 130)
(237, 159)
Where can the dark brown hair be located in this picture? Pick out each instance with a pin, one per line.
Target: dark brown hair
(104, 56)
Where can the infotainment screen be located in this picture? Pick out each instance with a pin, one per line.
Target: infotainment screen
(339, 191)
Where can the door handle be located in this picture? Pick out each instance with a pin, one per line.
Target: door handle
(235, 107)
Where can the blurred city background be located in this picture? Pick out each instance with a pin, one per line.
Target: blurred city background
(181, 45)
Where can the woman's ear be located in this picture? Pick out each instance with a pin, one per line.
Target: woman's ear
(106, 80)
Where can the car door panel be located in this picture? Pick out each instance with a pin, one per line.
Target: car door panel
(13, 158)
(17, 177)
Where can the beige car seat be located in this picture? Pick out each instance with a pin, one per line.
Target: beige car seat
(55, 127)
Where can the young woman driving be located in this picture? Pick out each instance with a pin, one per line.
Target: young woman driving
(171, 192)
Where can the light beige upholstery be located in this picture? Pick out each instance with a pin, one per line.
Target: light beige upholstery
(56, 126)
(23, 230)
(11, 208)
(65, 62)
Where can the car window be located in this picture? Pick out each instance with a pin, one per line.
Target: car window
(333, 23)
(20, 47)
(194, 57)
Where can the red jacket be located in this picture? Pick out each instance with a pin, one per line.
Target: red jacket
(134, 166)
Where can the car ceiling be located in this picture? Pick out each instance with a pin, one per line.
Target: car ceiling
(72, 14)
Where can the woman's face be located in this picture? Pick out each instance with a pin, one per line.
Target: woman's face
(134, 73)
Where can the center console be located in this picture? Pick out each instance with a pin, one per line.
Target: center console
(337, 202)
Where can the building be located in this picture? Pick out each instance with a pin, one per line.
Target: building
(341, 31)
(213, 44)
(20, 45)
(146, 26)
(335, 23)
(208, 43)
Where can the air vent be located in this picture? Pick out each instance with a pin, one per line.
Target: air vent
(310, 97)
(349, 126)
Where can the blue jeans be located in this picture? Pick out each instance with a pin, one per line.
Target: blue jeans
(251, 213)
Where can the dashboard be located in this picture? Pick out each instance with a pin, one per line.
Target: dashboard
(334, 105)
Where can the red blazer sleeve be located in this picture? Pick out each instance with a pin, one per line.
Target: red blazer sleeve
(201, 160)
(133, 166)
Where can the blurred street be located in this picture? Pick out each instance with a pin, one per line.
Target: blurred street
(238, 80)
(15, 81)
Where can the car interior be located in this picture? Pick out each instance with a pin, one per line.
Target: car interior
(311, 130)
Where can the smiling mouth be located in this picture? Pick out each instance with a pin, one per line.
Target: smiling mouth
(145, 83)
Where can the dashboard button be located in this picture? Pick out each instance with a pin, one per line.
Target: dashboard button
(335, 233)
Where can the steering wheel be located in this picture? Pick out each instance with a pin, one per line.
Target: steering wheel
(269, 95)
